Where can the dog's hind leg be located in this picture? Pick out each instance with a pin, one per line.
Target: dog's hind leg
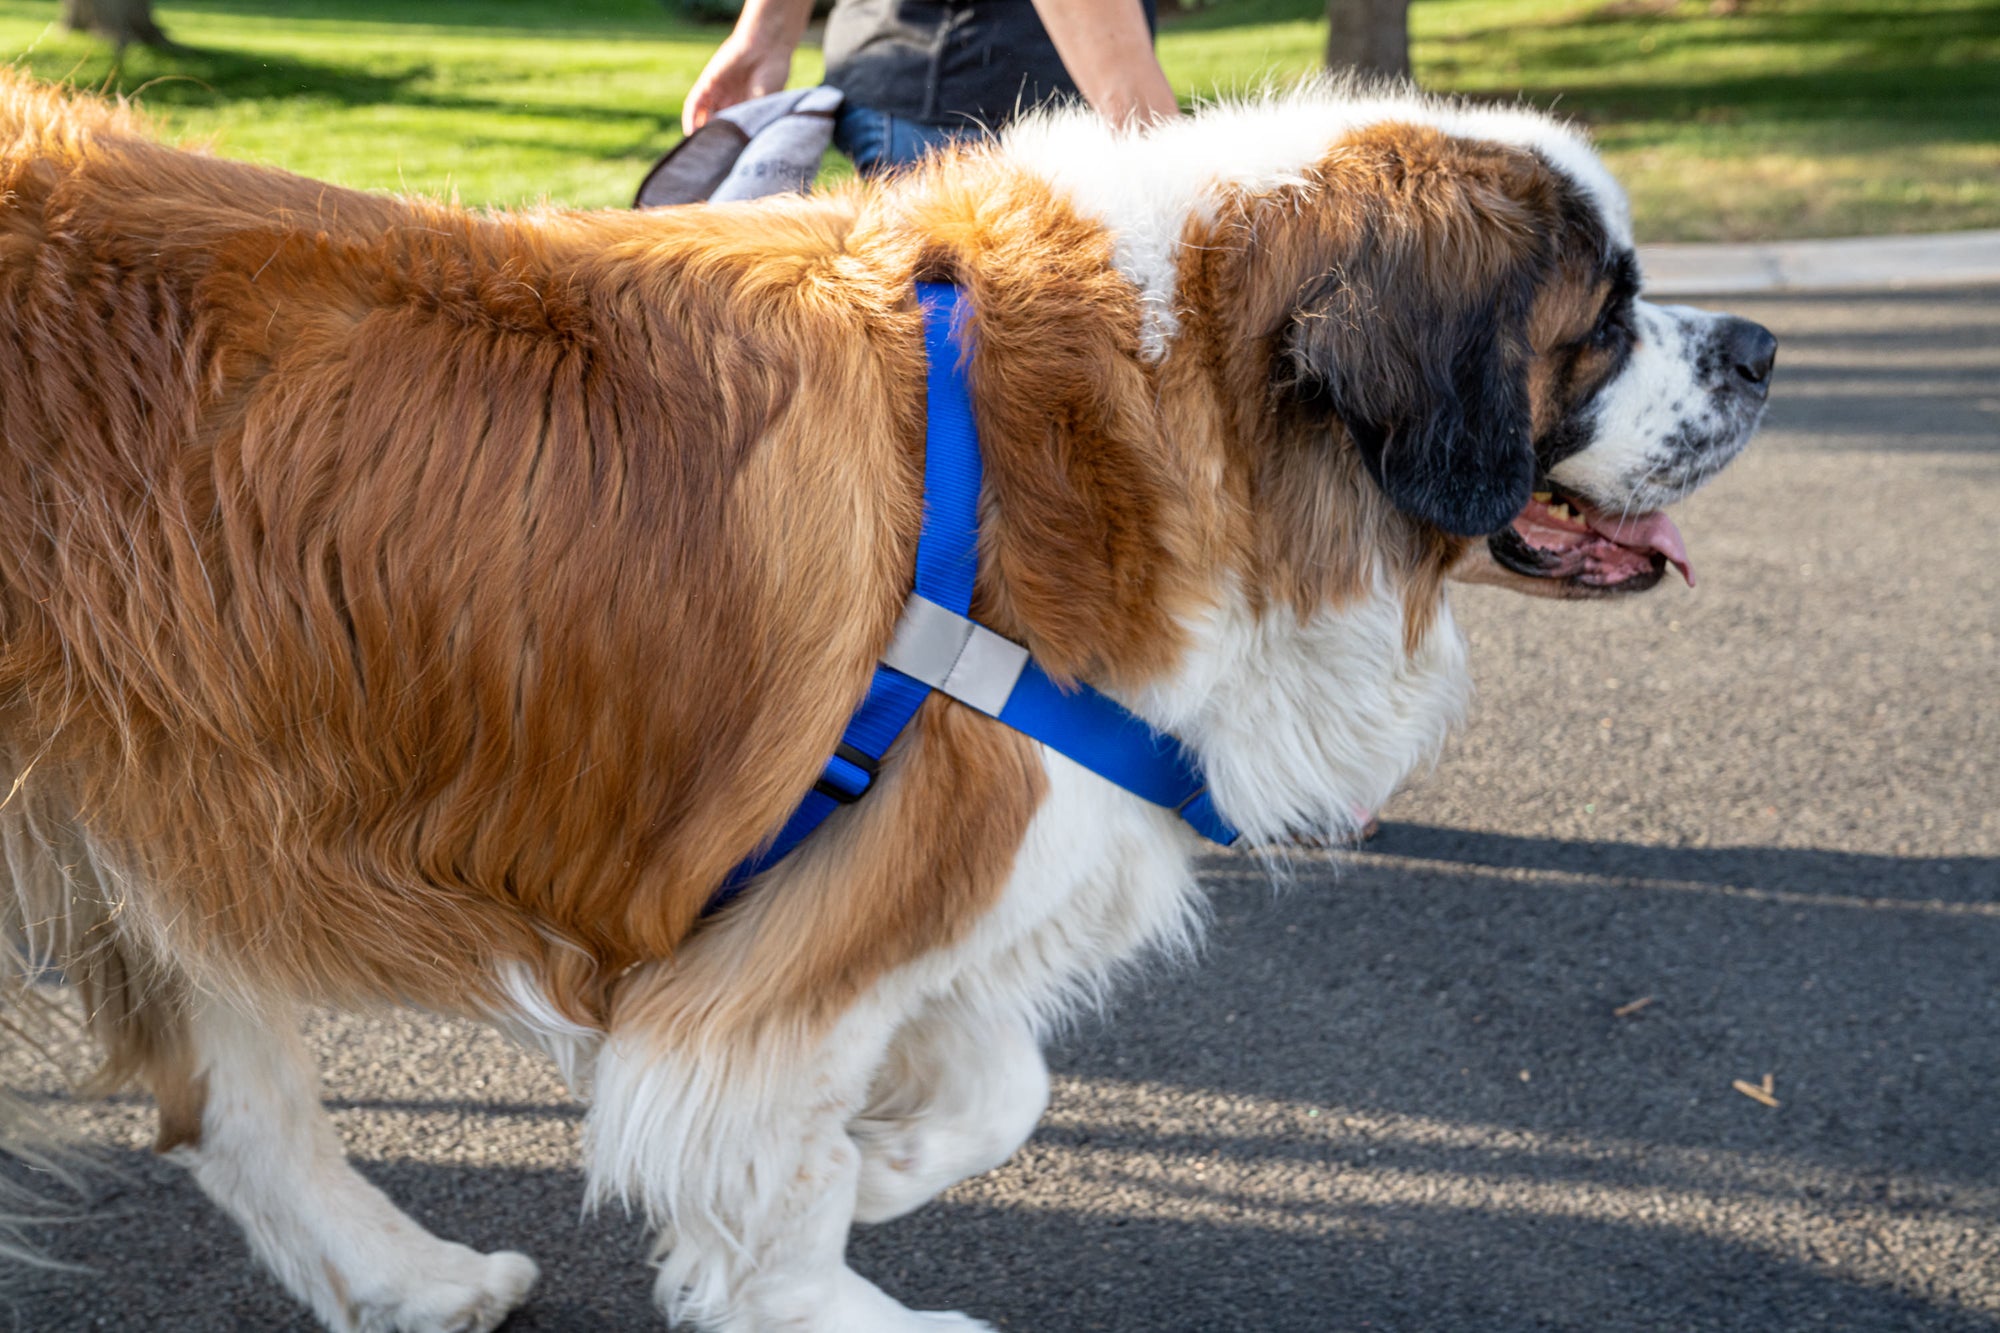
(958, 1095)
(264, 1150)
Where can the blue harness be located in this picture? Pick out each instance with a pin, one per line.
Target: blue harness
(937, 647)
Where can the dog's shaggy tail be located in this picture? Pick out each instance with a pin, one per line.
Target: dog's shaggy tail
(37, 1031)
(40, 1156)
(73, 986)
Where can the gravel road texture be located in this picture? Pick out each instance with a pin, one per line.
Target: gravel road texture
(1478, 1076)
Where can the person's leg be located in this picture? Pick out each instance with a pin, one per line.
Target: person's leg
(862, 133)
(880, 143)
(909, 140)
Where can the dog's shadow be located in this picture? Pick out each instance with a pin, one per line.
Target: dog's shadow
(1460, 1082)
(1397, 1267)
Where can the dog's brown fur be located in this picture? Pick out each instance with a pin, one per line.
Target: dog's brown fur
(389, 592)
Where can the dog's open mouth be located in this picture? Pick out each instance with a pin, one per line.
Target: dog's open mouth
(1558, 536)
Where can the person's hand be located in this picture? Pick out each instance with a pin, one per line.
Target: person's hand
(741, 68)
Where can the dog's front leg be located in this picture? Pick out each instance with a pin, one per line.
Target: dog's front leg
(959, 1094)
(732, 1133)
(267, 1154)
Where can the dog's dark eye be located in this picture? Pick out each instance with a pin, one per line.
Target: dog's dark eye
(1312, 394)
(1301, 386)
(1613, 327)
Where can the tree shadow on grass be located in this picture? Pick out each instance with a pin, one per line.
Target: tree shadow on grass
(1868, 108)
(1956, 101)
(1886, 28)
(1233, 14)
(1880, 67)
(204, 76)
(647, 20)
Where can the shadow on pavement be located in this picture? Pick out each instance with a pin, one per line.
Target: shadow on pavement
(1402, 1270)
(1957, 879)
(1398, 1095)
(1399, 1266)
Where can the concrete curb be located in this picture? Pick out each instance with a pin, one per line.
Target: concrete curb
(1946, 259)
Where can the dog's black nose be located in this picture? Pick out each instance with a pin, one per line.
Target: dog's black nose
(1751, 350)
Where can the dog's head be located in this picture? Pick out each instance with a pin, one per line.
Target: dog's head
(1386, 341)
(1458, 305)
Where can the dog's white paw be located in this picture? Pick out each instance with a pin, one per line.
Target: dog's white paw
(865, 1306)
(948, 1321)
(468, 1292)
(897, 1319)
(852, 1305)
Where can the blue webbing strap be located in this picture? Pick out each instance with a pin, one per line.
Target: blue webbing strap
(1088, 727)
(947, 559)
(1102, 735)
(948, 550)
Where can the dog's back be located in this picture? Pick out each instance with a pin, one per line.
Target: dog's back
(365, 564)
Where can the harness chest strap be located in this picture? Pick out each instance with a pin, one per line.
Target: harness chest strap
(937, 646)
(962, 658)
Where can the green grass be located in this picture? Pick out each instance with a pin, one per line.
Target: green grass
(1789, 117)
(500, 101)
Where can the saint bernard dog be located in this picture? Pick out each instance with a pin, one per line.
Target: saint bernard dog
(402, 604)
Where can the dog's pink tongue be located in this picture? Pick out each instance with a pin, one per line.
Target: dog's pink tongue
(1645, 532)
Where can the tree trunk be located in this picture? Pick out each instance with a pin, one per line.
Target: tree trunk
(122, 21)
(1372, 36)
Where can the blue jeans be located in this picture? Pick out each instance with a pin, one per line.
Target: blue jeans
(879, 142)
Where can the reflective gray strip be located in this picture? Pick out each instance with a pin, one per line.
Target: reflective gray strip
(947, 652)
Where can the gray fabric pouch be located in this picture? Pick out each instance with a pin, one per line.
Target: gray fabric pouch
(766, 146)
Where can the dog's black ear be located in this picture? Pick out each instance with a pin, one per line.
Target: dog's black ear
(1430, 379)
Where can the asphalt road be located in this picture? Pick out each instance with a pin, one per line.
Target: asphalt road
(1479, 1076)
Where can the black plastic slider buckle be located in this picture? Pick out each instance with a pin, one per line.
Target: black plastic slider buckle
(838, 785)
